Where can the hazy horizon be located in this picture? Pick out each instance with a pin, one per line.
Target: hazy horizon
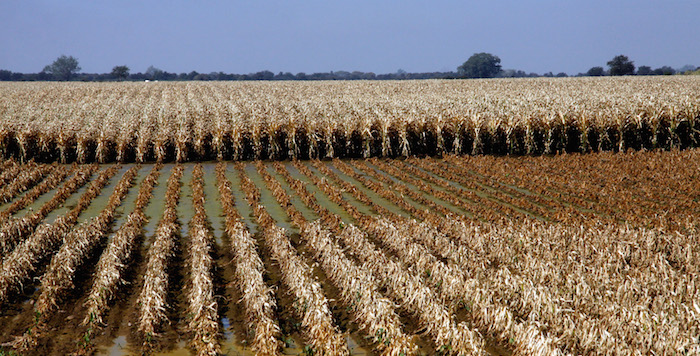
(316, 36)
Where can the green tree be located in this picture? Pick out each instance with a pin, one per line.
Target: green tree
(63, 67)
(596, 72)
(120, 72)
(644, 70)
(480, 65)
(621, 65)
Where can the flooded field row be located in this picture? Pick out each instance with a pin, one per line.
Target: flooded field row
(460, 255)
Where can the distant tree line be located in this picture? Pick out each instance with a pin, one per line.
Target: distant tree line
(479, 65)
(621, 65)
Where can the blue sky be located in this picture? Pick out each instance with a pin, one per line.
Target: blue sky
(318, 36)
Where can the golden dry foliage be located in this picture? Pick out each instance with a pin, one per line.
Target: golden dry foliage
(21, 263)
(77, 247)
(115, 257)
(311, 305)
(359, 289)
(202, 309)
(252, 120)
(593, 254)
(450, 282)
(152, 300)
(257, 297)
(50, 182)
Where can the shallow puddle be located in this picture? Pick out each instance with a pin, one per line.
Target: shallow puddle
(212, 205)
(100, 202)
(308, 214)
(156, 206)
(268, 200)
(242, 205)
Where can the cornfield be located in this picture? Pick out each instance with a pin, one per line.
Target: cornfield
(163, 122)
(361, 218)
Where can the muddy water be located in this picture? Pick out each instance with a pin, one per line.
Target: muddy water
(308, 214)
(5, 205)
(320, 196)
(354, 340)
(212, 205)
(233, 336)
(40, 200)
(269, 201)
(129, 202)
(100, 202)
(239, 199)
(155, 207)
(364, 209)
(71, 201)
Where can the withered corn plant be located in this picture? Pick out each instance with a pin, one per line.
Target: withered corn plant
(15, 230)
(374, 312)
(203, 323)
(152, 301)
(345, 119)
(25, 180)
(50, 182)
(311, 306)
(257, 297)
(453, 285)
(77, 247)
(449, 336)
(116, 256)
(21, 264)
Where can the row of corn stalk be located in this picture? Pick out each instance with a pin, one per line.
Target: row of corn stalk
(453, 285)
(401, 188)
(27, 178)
(374, 313)
(202, 309)
(50, 182)
(608, 288)
(15, 230)
(311, 306)
(257, 297)
(386, 194)
(346, 187)
(512, 204)
(115, 258)
(11, 171)
(449, 336)
(20, 265)
(439, 221)
(78, 245)
(152, 301)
